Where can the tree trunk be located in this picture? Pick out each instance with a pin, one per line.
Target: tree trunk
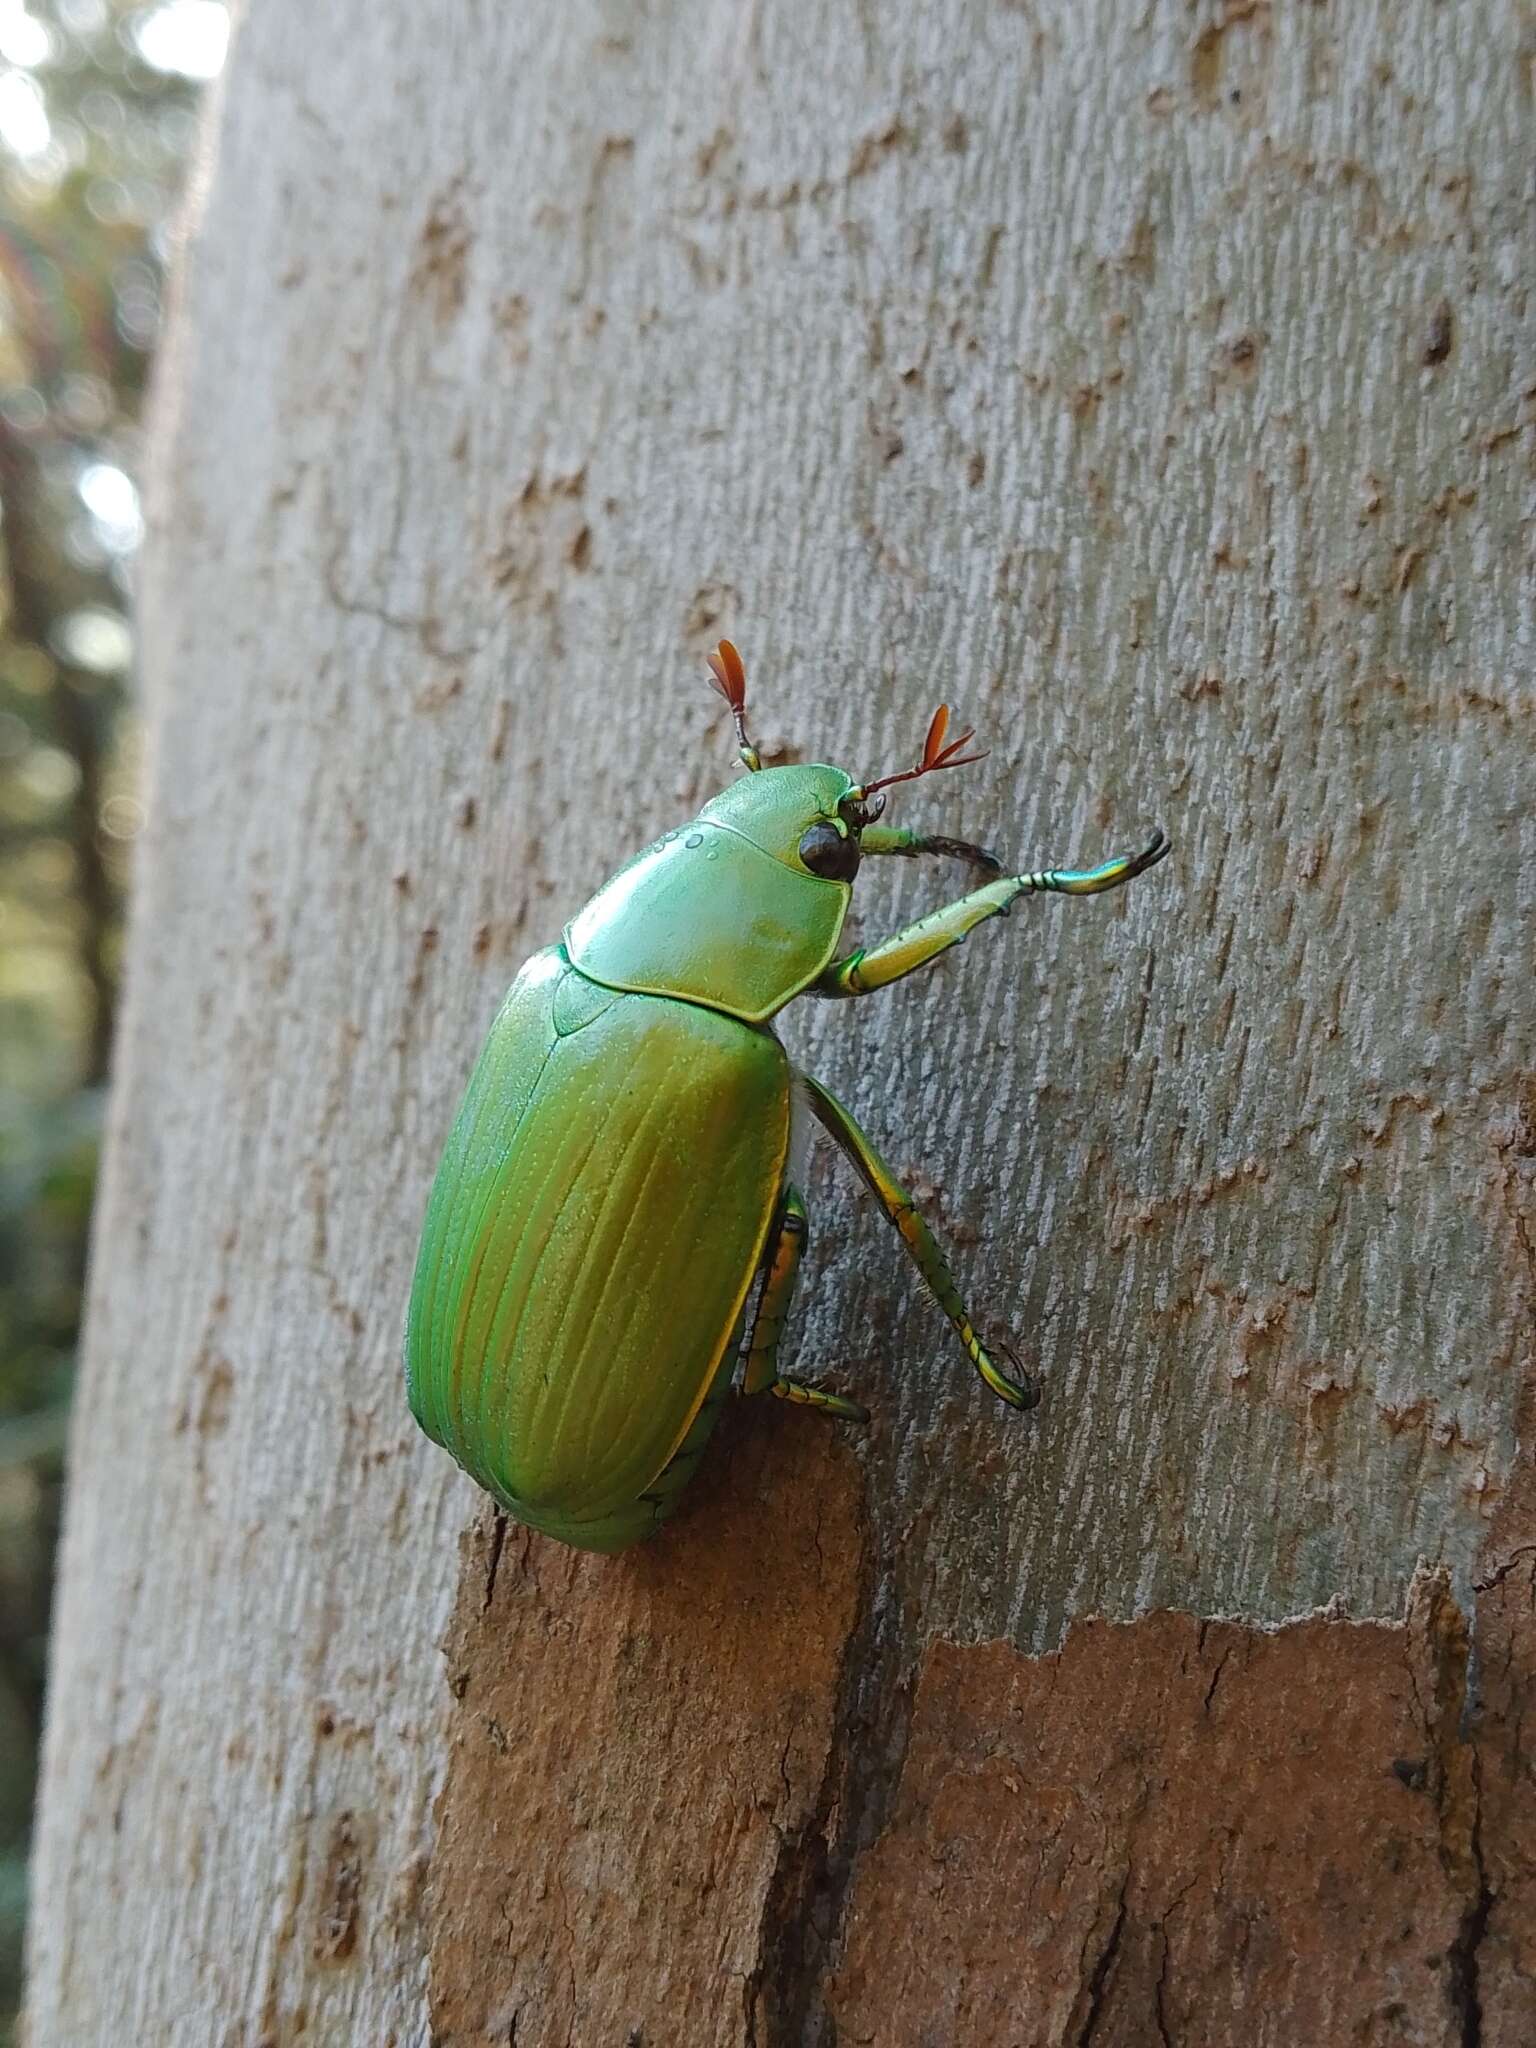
(1156, 386)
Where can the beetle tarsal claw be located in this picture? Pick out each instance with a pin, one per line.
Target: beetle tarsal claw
(1026, 1392)
(1157, 848)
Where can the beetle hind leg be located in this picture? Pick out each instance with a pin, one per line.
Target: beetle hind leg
(760, 1372)
(818, 1397)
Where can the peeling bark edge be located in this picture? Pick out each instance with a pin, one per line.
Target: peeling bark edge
(1187, 1819)
(1300, 1844)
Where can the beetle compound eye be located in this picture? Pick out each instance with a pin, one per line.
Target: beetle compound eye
(831, 854)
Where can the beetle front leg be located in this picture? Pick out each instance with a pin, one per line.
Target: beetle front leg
(919, 1240)
(861, 973)
(760, 1374)
(877, 839)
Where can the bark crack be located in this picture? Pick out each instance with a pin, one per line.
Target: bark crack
(1465, 1983)
(1102, 1968)
(1502, 1570)
(1160, 1990)
(784, 1996)
(1438, 1626)
(1210, 1690)
(493, 1561)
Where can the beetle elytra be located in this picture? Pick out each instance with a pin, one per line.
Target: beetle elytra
(614, 1225)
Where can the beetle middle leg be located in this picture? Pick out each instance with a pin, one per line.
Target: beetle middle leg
(922, 1246)
(760, 1372)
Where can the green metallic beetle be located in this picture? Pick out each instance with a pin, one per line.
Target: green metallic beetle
(621, 1174)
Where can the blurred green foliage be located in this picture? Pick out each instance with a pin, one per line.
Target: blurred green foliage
(96, 122)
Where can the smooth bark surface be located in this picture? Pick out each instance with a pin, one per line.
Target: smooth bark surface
(1157, 387)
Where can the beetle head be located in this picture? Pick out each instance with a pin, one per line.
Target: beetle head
(807, 817)
(811, 818)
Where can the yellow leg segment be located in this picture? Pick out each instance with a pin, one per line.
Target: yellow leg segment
(919, 1241)
(760, 1374)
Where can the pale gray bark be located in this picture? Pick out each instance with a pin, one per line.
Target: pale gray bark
(1155, 386)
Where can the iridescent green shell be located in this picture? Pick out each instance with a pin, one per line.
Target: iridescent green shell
(597, 1219)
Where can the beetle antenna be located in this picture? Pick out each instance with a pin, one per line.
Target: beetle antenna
(729, 677)
(935, 753)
